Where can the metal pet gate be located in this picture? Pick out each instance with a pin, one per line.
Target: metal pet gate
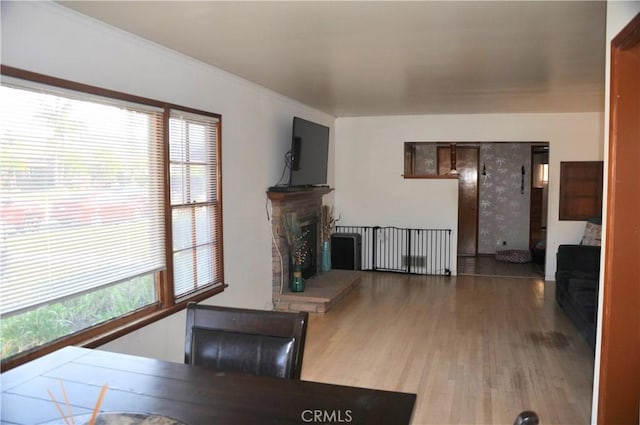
(401, 250)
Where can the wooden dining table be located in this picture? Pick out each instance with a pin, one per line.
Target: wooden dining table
(188, 394)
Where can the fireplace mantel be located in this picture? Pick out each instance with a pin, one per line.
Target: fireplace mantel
(312, 192)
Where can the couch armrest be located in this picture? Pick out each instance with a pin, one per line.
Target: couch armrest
(584, 259)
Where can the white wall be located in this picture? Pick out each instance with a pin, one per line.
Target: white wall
(256, 133)
(369, 159)
(370, 189)
(619, 13)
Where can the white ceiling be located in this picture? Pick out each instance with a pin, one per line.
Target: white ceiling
(390, 58)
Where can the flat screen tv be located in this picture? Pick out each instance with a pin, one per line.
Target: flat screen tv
(309, 153)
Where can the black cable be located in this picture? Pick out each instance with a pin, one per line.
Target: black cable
(287, 164)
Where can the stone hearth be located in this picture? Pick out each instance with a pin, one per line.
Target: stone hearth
(323, 290)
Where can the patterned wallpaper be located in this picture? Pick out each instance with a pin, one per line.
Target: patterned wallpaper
(503, 210)
(426, 161)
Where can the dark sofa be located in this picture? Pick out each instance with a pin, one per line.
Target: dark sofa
(577, 277)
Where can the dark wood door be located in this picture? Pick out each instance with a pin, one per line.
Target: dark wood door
(467, 168)
(620, 343)
(536, 232)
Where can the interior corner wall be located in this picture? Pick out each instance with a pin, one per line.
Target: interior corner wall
(47, 38)
(369, 161)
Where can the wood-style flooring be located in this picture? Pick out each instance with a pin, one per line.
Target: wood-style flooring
(484, 265)
(475, 349)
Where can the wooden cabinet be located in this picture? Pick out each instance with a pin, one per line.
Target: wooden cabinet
(580, 190)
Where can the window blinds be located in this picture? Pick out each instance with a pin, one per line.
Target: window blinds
(80, 196)
(196, 215)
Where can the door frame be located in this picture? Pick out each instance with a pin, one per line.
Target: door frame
(619, 367)
(539, 149)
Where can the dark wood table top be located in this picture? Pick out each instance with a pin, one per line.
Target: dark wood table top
(188, 394)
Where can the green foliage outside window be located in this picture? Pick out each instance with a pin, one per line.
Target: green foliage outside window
(47, 323)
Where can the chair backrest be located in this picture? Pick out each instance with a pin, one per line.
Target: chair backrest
(259, 342)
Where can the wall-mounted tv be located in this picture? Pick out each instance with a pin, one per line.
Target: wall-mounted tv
(309, 153)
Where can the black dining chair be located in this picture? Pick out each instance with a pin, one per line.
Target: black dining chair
(259, 342)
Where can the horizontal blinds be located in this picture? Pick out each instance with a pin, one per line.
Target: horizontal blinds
(81, 194)
(193, 154)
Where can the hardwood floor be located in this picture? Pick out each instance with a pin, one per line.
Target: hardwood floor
(475, 349)
(483, 265)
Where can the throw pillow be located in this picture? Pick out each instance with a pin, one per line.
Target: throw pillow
(592, 234)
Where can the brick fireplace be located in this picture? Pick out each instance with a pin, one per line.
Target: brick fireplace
(307, 203)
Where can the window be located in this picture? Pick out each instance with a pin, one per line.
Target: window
(88, 239)
(194, 206)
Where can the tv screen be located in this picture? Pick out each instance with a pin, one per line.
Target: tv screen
(309, 153)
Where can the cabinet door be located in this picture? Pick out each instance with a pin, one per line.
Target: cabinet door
(580, 190)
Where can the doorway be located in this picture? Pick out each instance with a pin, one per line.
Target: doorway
(495, 184)
(538, 203)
